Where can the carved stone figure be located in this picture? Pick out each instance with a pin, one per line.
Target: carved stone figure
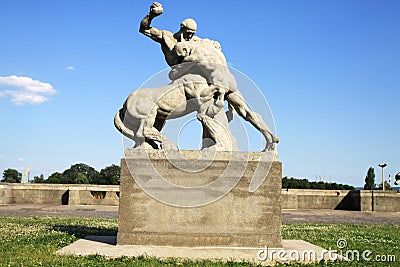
(165, 38)
(145, 111)
(208, 61)
(168, 40)
(201, 82)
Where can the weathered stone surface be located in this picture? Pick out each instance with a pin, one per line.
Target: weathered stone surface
(240, 218)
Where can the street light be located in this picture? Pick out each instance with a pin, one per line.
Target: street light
(383, 176)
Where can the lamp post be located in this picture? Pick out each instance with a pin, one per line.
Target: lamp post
(383, 176)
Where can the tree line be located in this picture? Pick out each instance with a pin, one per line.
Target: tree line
(294, 183)
(77, 174)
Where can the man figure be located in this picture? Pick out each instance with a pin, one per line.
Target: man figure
(208, 61)
(165, 38)
(168, 40)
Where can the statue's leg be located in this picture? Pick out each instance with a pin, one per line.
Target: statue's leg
(152, 134)
(236, 100)
(139, 137)
(213, 134)
(149, 131)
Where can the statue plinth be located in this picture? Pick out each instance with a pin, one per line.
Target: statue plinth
(239, 218)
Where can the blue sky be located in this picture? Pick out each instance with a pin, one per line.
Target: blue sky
(330, 71)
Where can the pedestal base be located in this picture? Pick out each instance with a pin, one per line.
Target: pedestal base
(238, 219)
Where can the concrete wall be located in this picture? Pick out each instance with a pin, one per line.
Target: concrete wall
(86, 195)
(38, 193)
(319, 199)
(363, 200)
(379, 201)
(5, 194)
(58, 194)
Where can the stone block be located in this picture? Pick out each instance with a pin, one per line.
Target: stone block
(239, 218)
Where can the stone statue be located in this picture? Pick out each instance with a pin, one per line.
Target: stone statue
(168, 40)
(165, 38)
(201, 82)
(208, 61)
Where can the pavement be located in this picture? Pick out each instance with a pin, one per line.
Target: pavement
(288, 216)
(59, 211)
(340, 217)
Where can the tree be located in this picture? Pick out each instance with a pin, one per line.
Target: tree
(71, 174)
(387, 186)
(81, 179)
(55, 178)
(109, 175)
(38, 179)
(11, 176)
(370, 179)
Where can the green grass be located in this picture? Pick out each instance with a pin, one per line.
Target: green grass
(34, 241)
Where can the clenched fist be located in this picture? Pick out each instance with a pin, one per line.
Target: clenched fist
(156, 9)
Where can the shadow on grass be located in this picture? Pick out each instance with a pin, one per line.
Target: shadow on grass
(81, 231)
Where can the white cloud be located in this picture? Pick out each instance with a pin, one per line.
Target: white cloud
(25, 90)
(1, 156)
(21, 159)
(70, 68)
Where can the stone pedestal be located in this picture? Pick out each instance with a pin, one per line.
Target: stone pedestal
(237, 219)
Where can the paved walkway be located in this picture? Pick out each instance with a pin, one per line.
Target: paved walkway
(288, 216)
(340, 217)
(60, 211)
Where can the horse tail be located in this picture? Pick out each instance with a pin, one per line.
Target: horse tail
(119, 124)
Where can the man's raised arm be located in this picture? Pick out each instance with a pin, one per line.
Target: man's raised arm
(145, 28)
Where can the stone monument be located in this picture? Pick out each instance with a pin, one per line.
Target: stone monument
(214, 197)
(213, 203)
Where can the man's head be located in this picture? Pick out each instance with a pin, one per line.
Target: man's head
(188, 28)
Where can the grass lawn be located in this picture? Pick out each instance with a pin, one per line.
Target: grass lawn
(34, 241)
